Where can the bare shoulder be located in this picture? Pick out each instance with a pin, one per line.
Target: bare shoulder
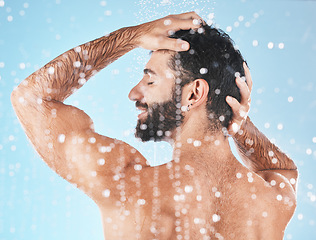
(283, 180)
(97, 164)
(280, 186)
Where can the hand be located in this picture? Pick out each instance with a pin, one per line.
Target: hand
(240, 109)
(155, 35)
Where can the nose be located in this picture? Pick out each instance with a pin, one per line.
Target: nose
(136, 94)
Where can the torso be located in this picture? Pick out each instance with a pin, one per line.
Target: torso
(190, 201)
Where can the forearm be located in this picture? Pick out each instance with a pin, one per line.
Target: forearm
(258, 153)
(68, 72)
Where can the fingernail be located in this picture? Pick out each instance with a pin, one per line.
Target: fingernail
(185, 46)
(229, 99)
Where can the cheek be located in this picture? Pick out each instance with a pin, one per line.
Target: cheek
(157, 94)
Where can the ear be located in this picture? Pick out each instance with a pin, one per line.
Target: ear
(198, 93)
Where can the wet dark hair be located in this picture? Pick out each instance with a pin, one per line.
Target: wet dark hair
(212, 57)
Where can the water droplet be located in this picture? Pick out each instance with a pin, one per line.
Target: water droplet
(309, 151)
(188, 189)
(77, 64)
(279, 197)
(199, 198)
(197, 143)
(61, 138)
(281, 45)
(217, 91)
(292, 181)
(196, 22)
(22, 66)
(290, 99)
(106, 193)
(203, 70)
(167, 22)
(108, 13)
(221, 118)
(141, 201)
(216, 218)
(103, 3)
(51, 70)
(101, 161)
(138, 167)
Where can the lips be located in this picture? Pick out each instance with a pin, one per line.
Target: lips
(143, 107)
(143, 113)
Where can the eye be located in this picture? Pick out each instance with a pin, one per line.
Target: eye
(150, 83)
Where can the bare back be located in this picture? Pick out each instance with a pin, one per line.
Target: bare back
(188, 200)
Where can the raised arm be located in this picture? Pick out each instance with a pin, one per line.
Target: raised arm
(63, 135)
(255, 149)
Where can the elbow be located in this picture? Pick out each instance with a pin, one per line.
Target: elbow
(15, 98)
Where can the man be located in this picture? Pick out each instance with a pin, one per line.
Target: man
(204, 192)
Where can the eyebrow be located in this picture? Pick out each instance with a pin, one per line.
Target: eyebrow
(147, 71)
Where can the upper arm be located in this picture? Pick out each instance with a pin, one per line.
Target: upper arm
(64, 137)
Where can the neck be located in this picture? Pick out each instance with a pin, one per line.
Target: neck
(208, 147)
(196, 140)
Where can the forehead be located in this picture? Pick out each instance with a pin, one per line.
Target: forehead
(159, 62)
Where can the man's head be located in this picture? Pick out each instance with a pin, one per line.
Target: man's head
(212, 57)
(212, 62)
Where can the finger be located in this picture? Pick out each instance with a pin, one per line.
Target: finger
(185, 24)
(239, 111)
(234, 104)
(188, 15)
(177, 45)
(244, 91)
(248, 76)
(237, 118)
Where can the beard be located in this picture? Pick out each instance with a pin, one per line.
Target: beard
(162, 119)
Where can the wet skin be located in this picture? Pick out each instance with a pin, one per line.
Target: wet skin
(203, 193)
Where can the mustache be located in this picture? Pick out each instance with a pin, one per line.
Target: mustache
(141, 105)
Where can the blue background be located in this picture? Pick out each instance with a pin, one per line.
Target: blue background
(277, 38)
